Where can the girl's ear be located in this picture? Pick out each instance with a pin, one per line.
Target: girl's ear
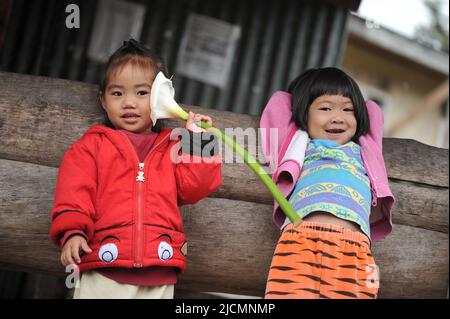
(102, 100)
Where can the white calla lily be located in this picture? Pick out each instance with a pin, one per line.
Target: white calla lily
(163, 105)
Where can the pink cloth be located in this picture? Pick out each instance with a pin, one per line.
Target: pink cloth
(278, 114)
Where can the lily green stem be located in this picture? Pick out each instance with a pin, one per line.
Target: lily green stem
(259, 171)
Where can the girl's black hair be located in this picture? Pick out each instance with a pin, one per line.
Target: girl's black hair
(131, 50)
(326, 81)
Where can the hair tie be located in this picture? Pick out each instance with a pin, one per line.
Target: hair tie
(133, 42)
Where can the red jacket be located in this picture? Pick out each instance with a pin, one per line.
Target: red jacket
(129, 210)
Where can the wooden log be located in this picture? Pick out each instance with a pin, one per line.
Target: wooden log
(408, 259)
(410, 160)
(420, 205)
(230, 241)
(232, 253)
(41, 123)
(417, 204)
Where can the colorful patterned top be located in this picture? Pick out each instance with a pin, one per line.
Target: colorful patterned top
(333, 179)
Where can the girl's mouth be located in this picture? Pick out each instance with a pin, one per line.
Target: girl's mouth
(335, 131)
(130, 118)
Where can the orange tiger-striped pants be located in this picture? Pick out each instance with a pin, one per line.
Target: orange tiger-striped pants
(317, 260)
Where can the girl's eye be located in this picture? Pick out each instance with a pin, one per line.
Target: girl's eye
(116, 93)
(325, 108)
(348, 109)
(142, 93)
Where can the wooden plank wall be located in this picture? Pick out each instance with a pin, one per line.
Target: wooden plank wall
(231, 235)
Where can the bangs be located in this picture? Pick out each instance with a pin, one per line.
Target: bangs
(330, 81)
(140, 62)
(314, 83)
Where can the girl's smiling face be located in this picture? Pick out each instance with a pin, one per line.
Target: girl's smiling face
(126, 99)
(332, 117)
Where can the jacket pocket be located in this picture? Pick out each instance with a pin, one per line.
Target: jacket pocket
(165, 247)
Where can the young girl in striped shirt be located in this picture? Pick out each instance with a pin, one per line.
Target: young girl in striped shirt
(332, 172)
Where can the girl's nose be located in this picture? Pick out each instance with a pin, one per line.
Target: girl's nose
(129, 103)
(337, 119)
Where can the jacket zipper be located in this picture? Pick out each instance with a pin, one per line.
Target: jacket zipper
(140, 179)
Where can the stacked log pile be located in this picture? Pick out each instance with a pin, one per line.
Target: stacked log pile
(231, 235)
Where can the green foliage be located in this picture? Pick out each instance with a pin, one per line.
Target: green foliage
(436, 33)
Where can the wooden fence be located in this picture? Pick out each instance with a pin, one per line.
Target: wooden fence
(231, 235)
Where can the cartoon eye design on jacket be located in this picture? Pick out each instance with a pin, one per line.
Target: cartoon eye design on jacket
(165, 250)
(108, 252)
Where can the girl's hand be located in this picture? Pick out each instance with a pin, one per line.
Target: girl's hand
(71, 250)
(195, 118)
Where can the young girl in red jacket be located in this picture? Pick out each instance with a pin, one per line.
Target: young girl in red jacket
(119, 186)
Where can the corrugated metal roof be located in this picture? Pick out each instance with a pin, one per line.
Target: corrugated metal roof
(279, 40)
